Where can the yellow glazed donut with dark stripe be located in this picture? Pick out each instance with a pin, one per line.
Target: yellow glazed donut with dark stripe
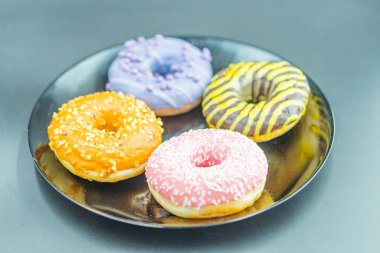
(261, 100)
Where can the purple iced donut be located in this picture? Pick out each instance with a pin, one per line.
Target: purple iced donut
(169, 74)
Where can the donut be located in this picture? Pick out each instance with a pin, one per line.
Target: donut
(168, 74)
(207, 173)
(262, 100)
(104, 136)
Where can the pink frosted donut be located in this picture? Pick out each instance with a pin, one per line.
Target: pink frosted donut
(207, 173)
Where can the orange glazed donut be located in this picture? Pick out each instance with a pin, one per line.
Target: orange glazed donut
(105, 136)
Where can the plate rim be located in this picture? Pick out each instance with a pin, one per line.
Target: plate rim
(166, 226)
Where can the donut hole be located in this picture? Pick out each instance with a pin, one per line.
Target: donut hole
(209, 158)
(107, 127)
(248, 95)
(107, 122)
(164, 69)
(261, 98)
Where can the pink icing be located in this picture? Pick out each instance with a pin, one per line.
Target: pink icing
(206, 167)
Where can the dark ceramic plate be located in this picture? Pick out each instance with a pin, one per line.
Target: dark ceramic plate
(294, 158)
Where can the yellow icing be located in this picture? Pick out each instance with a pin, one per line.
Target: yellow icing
(265, 84)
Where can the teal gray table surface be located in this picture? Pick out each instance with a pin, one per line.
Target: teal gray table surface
(335, 42)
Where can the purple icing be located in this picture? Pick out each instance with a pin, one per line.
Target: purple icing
(159, 79)
(150, 88)
(108, 86)
(129, 43)
(206, 54)
(159, 36)
(163, 71)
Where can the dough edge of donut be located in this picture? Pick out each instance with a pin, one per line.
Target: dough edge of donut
(211, 211)
(112, 178)
(276, 133)
(163, 112)
(265, 137)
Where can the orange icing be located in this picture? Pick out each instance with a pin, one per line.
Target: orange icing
(105, 132)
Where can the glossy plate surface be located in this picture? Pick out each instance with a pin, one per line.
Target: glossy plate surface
(294, 158)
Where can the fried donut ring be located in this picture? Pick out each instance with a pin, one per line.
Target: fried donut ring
(169, 74)
(261, 100)
(104, 136)
(213, 173)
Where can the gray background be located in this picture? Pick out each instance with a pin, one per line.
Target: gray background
(335, 42)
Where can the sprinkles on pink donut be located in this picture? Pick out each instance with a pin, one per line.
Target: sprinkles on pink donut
(169, 74)
(207, 173)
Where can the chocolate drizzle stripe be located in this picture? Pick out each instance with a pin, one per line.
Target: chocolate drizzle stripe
(221, 107)
(216, 93)
(212, 106)
(270, 102)
(288, 74)
(229, 120)
(283, 122)
(228, 112)
(220, 113)
(216, 99)
(219, 82)
(291, 96)
(273, 83)
(255, 120)
(284, 108)
(255, 79)
(284, 87)
(241, 114)
(271, 75)
(241, 124)
(259, 78)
